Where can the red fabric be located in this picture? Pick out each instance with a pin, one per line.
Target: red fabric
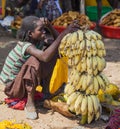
(19, 104)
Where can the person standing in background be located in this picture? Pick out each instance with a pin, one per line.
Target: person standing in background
(48, 8)
(66, 5)
(53, 9)
(41, 9)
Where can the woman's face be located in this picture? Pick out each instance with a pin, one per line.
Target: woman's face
(39, 32)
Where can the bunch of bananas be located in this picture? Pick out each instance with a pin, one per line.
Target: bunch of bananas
(86, 105)
(107, 98)
(89, 84)
(85, 51)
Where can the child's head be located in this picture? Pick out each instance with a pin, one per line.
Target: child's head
(31, 29)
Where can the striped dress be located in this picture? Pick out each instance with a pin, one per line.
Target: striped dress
(14, 61)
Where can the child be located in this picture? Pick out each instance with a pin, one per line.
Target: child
(32, 60)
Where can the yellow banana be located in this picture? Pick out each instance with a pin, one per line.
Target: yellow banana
(69, 62)
(79, 85)
(105, 79)
(80, 35)
(88, 45)
(71, 107)
(88, 53)
(78, 104)
(78, 66)
(101, 82)
(83, 64)
(73, 47)
(84, 82)
(101, 63)
(84, 105)
(89, 79)
(83, 119)
(99, 44)
(94, 52)
(65, 38)
(71, 99)
(90, 71)
(76, 78)
(82, 45)
(67, 52)
(77, 59)
(97, 34)
(95, 72)
(69, 89)
(98, 114)
(96, 104)
(72, 73)
(90, 109)
(96, 85)
(90, 89)
(93, 44)
(100, 52)
(104, 52)
(88, 35)
(94, 49)
(74, 37)
(102, 46)
(68, 44)
(94, 62)
(77, 44)
(63, 42)
(93, 35)
(89, 62)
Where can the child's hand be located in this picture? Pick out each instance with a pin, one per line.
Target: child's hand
(74, 26)
(45, 21)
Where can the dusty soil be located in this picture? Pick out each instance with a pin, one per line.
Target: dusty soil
(47, 118)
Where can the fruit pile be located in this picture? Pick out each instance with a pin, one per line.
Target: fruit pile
(67, 18)
(85, 51)
(12, 124)
(16, 23)
(112, 19)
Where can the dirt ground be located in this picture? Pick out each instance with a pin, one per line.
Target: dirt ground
(47, 118)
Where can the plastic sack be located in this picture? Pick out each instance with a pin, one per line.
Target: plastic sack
(59, 75)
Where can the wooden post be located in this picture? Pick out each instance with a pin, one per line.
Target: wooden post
(82, 6)
(3, 8)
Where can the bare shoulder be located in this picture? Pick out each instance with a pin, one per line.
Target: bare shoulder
(32, 50)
